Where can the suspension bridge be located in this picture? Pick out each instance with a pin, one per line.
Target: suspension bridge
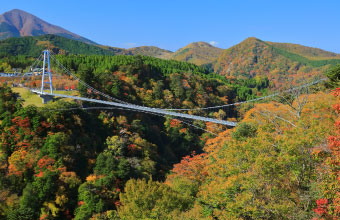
(48, 94)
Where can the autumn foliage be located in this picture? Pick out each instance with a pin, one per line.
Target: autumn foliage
(114, 164)
(328, 207)
(190, 167)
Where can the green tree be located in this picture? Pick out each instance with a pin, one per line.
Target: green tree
(8, 101)
(333, 75)
(90, 202)
(150, 200)
(243, 131)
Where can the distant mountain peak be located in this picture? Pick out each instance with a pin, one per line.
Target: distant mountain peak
(198, 53)
(199, 44)
(150, 51)
(251, 40)
(17, 10)
(19, 23)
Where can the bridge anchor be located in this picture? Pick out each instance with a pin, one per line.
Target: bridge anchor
(46, 98)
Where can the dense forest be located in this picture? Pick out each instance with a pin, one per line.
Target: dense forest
(115, 164)
(66, 153)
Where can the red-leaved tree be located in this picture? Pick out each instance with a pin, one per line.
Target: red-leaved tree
(328, 207)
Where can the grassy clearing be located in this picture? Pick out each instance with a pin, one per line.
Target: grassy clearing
(33, 99)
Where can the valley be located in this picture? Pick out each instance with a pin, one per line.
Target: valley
(247, 132)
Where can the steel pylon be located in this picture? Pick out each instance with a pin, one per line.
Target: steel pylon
(43, 82)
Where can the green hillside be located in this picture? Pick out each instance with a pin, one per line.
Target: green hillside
(308, 52)
(32, 46)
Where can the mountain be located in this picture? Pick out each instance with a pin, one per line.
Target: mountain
(198, 53)
(280, 62)
(18, 23)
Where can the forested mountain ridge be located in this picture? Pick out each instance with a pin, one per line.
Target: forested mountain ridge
(18, 23)
(32, 46)
(281, 63)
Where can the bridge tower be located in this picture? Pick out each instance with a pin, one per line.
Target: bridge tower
(46, 72)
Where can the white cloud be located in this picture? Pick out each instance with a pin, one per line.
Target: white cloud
(214, 43)
(129, 45)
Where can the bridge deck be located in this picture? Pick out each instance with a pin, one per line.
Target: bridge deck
(142, 108)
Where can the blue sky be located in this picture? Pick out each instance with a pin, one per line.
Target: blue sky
(172, 24)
